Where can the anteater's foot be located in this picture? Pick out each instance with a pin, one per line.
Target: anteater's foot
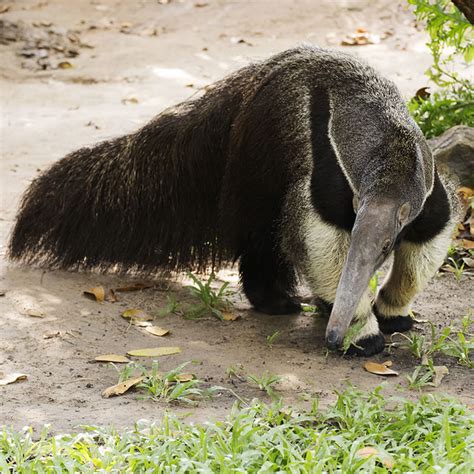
(276, 304)
(367, 346)
(391, 324)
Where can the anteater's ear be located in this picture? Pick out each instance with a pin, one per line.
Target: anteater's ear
(404, 213)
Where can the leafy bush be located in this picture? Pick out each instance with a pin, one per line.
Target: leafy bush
(451, 42)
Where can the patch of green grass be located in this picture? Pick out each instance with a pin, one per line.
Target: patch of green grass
(172, 306)
(431, 434)
(448, 341)
(170, 387)
(422, 376)
(211, 302)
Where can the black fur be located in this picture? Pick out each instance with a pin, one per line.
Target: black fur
(328, 183)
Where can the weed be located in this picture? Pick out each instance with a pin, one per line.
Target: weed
(422, 376)
(351, 335)
(265, 382)
(457, 268)
(272, 338)
(172, 306)
(449, 342)
(211, 302)
(171, 387)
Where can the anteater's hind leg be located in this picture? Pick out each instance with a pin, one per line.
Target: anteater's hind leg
(413, 266)
(268, 281)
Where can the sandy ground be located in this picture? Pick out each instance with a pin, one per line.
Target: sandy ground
(137, 58)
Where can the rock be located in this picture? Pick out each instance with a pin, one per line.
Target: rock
(454, 153)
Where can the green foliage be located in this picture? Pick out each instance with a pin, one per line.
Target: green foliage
(211, 302)
(431, 434)
(451, 42)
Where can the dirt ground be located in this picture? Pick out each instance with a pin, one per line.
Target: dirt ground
(115, 65)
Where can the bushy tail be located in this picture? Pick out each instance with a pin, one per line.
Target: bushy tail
(146, 202)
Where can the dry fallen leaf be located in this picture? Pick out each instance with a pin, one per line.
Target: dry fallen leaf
(387, 363)
(130, 100)
(185, 378)
(134, 287)
(35, 313)
(157, 331)
(154, 351)
(439, 372)
(379, 369)
(12, 378)
(361, 37)
(97, 293)
(468, 244)
(121, 387)
(229, 316)
(65, 65)
(119, 359)
(368, 451)
(137, 316)
(112, 297)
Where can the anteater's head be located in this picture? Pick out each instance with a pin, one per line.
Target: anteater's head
(392, 191)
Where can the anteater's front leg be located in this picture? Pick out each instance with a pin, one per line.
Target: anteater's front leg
(414, 264)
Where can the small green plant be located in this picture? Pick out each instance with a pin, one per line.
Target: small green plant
(422, 376)
(172, 306)
(265, 382)
(351, 335)
(451, 41)
(172, 387)
(373, 284)
(272, 338)
(211, 302)
(458, 269)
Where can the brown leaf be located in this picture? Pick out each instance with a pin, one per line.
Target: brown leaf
(119, 359)
(157, 331)
(423, 93)
(121, 387)
(369, 451)
(229, 316)
(12, 378)
(185, 377)
(65, 65)
(468, 244)
(134, 287)
(379, 369)
(439, 372)
(387, 363)
(112, 296)
(96, 293)
(35, 313)
(154, 351)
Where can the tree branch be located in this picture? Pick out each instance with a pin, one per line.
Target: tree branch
(467, 8)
